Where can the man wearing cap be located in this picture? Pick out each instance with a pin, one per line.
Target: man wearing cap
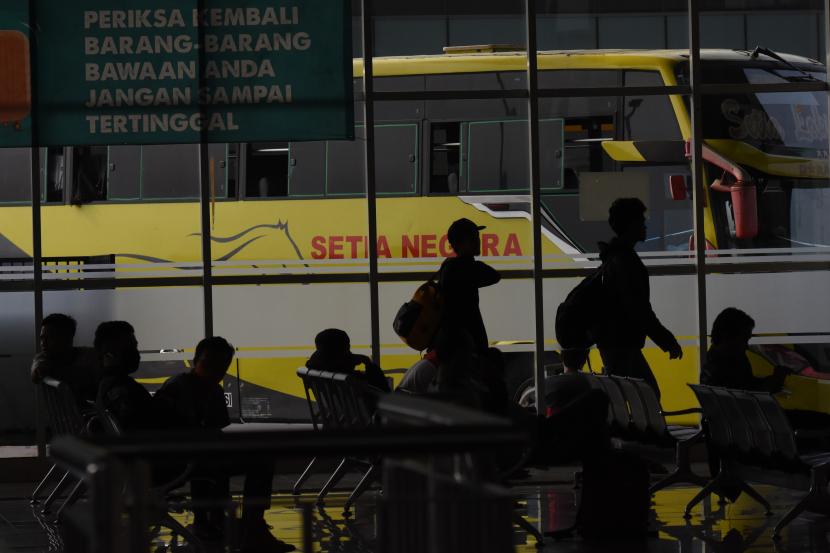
(460, 278)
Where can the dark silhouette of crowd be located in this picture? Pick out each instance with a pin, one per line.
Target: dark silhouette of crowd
(459, 366)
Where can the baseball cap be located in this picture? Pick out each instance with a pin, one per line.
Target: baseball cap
(462, 228)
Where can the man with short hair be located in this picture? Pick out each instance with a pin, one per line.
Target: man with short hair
(333, 353)
(628, 317)
(60, 359)
(128, 401)
(196, 401)
(461, 277)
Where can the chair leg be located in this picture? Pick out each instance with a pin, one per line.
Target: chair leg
(368, 478)
(71, 498)
(178, 530)
(54, 495)
(519, 521)
(753, 493)
(334, 479)
(679, 476)
(42, 483)
(703, 493)
(303, 477)
(817, 500)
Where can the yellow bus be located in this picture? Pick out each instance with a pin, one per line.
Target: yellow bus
(299, 210)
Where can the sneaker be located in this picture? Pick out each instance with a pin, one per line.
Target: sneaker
(257, 538)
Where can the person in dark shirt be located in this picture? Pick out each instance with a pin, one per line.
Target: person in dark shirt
(726, 362)
(628, 316)
(60, 359)
(461, 277)
(128, 401)
(333, 353)
(196, 401)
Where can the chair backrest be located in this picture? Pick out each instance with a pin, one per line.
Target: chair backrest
(779, 426)
(758, 425)
(313, 407)
(717, 424)
(339, 400)
(597, 385)
(743, 436)
(654, 411)
(639, 418)
(616, 401)
(61, 407)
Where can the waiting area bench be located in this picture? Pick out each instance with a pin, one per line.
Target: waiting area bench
(753, 440)
(636, 416)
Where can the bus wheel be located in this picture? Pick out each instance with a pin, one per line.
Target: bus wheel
(525, 394)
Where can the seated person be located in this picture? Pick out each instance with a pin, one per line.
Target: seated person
(420, 377)
(195, 401)
(60, 359)
(571, 384)
(334, 354)
(128, 401)
(726, 362)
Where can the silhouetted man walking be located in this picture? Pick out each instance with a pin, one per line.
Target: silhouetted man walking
(629, 318)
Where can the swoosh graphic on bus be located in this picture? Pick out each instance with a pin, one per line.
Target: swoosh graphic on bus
(280, 226)
(238, 249)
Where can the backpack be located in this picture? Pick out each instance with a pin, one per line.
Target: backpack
(418, 320)
(578, 317)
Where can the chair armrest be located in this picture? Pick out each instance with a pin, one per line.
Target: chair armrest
(812, 433)
(689, 411)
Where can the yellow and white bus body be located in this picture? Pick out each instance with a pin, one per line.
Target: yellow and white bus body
(298, 210)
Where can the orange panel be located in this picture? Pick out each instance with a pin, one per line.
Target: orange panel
(15, 92)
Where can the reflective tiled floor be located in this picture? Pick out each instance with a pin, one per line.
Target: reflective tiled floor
(544, 500)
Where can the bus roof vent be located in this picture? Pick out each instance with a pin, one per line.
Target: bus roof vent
(484, 49)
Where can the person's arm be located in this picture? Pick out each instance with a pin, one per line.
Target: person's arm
(39, 367)
(374, 374)
(484, 274)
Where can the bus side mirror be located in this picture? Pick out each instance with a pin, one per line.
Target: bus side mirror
(745, 209)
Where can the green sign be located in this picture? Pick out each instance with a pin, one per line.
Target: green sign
(164, 71)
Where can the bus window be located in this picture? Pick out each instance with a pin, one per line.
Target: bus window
(232, 170)
(124, 173)
(497, 155)
(307, 169)
(445, 158)
(15, 165)
(396, 161)
(266, 170)
(89, 179)
(170, 171)
(54, 175)
(648, 117)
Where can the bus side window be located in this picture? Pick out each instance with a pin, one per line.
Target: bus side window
(445, 158)
(396, 161)
(89, 179)
(307, 169)
(15, 185)
(648, 117)
(124, 173)
(170, 172)
(266, 168)
(55, 167)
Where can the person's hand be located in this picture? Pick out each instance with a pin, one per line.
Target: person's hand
(359, 359)
(675, 351)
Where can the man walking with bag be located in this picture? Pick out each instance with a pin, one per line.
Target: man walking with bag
(628, 316)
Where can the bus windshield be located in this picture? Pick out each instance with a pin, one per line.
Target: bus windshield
(779, 123)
